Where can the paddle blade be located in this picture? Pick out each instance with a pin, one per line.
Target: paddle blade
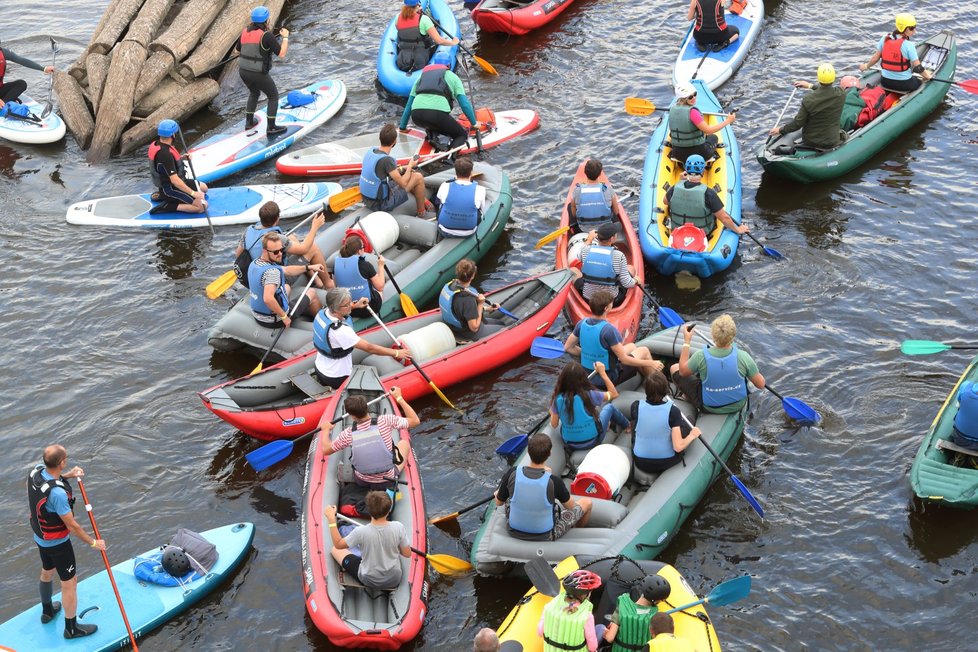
(221, 284)
(799, 411)
(407, 305)
(512, 446)
(542, 576)
(970, 85)
(730, 591)
(547, 348)
(550, 237)
(638, 106)
(485, 65)
(923, 347)
(442, 396)
(748, 496)
(46, 110)
(448, 565)
(269, 454)
(344, 199)
(508, 313)
(669, 318)
(256, 369)
(773, 253)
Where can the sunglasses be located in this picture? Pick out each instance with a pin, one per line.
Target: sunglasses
(274, 251)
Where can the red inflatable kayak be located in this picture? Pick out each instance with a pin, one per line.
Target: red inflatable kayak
(517, 18)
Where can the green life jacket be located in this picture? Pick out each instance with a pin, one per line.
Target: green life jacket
(688, 206)
(682, 131)
(563, 631)
(633, 626)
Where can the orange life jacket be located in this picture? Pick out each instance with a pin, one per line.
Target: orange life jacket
(892, 57)
(875, 99)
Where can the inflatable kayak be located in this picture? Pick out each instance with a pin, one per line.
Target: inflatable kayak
(224, 154)
(286, 400)
(518, 631)
(32, 129)
(628, 315)
(714, 67)
(396, 81)
(786, 155)
(346, 156)
(348, 613)
(514, 17)
(147, 605)
(237, 205)
(635, 514)
(939, 474)
(661, 173)
(421, 262)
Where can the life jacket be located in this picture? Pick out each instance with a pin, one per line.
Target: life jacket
(252, 58)
(346, 273)
(564, 631)
(160, 178)
(45, 524)
(633, 626)
(591, 349)
(446, 302)
(875, 99)
(3, 66)
(321, 326)
(257, 290)
(682, 131)
(530, 511)
(966, 420)
(251, 252)
(369, 454)
(709, 19)
(591, 207)
(724, 384)
(892, 59)
(432, 82)
(653, 436)
(583, 429)
(670, 643)
(688, 206)
(412, 46)
(372, 186)
(459, 211)
(598, 266)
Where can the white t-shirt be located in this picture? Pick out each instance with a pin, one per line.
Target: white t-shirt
(343, 337)
(480, 202)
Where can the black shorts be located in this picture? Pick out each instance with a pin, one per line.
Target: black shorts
(61, 558)
(351, 566)
(178, 195)
(330, 381)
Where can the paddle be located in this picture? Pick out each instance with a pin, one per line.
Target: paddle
(413, 361)
(639, 106)
(454, 515)
(722, 594)
(312, 277)
(444, 564)
(54, 57)
(668, 317)
(542, 576)
(970, 85)
(108, 567)
(770, 251)
(547, 348)
(550, 237)
(926, 347)
(513, 446)
(407, 305)
(190, 162)
(485, 65)
(786, 105)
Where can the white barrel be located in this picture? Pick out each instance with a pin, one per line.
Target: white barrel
(429, 342)
(603, 472)
(381, 229)
(574, 246)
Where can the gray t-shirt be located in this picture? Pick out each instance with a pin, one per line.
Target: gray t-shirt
(380, 549)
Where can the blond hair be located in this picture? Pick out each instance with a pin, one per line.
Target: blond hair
(724, 330)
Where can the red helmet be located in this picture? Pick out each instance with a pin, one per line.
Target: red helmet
(581, 582)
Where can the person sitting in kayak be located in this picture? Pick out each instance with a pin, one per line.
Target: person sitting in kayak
(603, 266)
(269, 293)
(383, 184)
(662, 630)
(582, 412)
(596, 340)
(539, 508)
(692, 202)
(965, 430)
(689, 133)
(382, 542)
(432, 98)
(628, 625)
(417, 37)
(660, 432)
(898, 57)
(170, 175)
(711, 29)
(715, 379)
(593, 203)
(334, 338)
(862, 105)
(820, 114)
(352, 270)
(269, 216)
(12, 89)
(463, 202)
(567, 621)
(463, 307)
(257, 44)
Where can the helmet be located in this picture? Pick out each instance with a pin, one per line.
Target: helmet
(903, 21)
(695, 164)
(826, 73)
(175, 561)
(259, 15)
(442, 58)
(167, 128)
(849, 81)
(412, 3)
(579, 583)
(654, 588)
(685, 90)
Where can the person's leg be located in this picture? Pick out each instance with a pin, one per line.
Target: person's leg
(585, 505)
(404, 448)
(270, 90)
(251, 104)
(340, 555)
(12, 90)
(620, 299)
(46, 588)
(610, 414)
(689, 387)
(417, 188)
(732, 34)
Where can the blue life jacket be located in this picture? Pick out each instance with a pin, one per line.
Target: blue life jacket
(966, 420)
(446, 301)
(591, 208)
(346, 273)
(369, 454)
(598, 267)
(253, 238)
(372, 186)
(724, 384)
(530, 511)
(653, 436)
(459, 211)
(257, 290)
(320, 335)
(591, 349)
(585, 428)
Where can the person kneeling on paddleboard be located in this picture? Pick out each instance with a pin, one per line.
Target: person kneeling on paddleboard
(711, 29)
(257, 45)
(463, 202)
(432, 98)
(381, 541)
(692, 202)
(11, 90)
(170, 175)
(384, 185)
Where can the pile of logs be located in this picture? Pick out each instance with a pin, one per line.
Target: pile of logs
(149, 60)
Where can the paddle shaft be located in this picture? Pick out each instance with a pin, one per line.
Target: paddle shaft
(460, 46)
(54, 59)
(190, 162)
(291, 315)
(786, 105)
(467, 508)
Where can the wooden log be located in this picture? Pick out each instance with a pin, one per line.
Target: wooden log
(97, 66)
(122, 13)
(229, 75)
(219, 39)
(157, 97)
(183, 103)
(148, 22)
(77, 69)
(116, 105)
(75, 112)
(154, 70)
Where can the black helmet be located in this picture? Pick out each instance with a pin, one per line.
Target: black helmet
(654, 588)
(175, 561)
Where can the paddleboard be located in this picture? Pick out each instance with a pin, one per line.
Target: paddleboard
(236, 205)
(346, 156)
(35, 131)
(147, 605)
(224, 154)
(720, 65)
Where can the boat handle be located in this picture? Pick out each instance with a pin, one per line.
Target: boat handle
(543, 326)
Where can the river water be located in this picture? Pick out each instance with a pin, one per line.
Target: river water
(105, 336)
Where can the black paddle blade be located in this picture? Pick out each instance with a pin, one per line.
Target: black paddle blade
(542, 576)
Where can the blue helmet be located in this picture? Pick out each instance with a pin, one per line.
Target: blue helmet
(442, 58)
(167, 128)
(412, 3)
(259, 15)
(695, 164)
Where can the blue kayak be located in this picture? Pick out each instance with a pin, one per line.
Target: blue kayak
(393, 79)
(147, 605)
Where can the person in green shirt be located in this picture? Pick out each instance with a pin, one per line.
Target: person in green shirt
(854, 103)
(432, 98)
(820, 112)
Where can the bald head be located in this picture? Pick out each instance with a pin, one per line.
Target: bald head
(485, 641)
(54, 455)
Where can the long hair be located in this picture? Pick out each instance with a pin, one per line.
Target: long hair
(407, 12)
(571, 382)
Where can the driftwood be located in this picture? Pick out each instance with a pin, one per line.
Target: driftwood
(73, 108)
(157, 97)
(148, 22)
(180, 105)
(120, 13)
(220, 38)
(97, 66)
(77, 69)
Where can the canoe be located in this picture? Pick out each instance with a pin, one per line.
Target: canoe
(236, 205)
(785, 156)
(661, 173)
(286, 400)
(394, 80)
(349, 614)
(345, 156)
(716, 67)
(237, 149)
(934, 477)
(518, 631)
(514, 17)
(644, 515)
(34, 130)
(148, 606)
(626, 317)
(421, 263)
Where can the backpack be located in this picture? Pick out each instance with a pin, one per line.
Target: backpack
(296, 99)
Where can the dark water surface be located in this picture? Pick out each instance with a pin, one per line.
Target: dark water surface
(105, 336)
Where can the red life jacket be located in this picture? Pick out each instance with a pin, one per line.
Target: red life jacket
(892, 58)
(45, 524)
(875, 98)
(710, 22)
(154, 149)
(3, 66)
(409, 30)
(252, 58)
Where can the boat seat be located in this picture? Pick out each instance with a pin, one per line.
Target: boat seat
(309, 385)
(351, 582)
(951, 447)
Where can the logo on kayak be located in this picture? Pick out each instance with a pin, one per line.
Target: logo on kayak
(662, 537)
(298, 421)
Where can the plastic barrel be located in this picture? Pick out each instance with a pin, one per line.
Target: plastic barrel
(381, 230)
(429, 342)
(602, 473)
(574, 246)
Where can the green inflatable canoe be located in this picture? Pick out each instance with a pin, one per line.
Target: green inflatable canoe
(787, 157)
(935, 475)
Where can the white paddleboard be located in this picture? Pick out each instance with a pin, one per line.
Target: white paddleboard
(34, 130)
(714, 68)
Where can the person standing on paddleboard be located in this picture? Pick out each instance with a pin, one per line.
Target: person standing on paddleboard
(11, 90)
(257, 45)
(51, 501)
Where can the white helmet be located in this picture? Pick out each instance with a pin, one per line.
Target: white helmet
(684, 90)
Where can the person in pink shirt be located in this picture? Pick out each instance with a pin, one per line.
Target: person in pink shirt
(689, 132)
(569, 617)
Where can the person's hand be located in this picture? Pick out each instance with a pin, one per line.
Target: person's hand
(74, 473)
(99, 544)
(284, 33)
(731, 117)
(927, 74)
(480, 299)
(198, 194)
(362, 302)
(286, 322)
(775, 131)
(456, 40)
(318, 220)
(742, 229)
(863, 66)
(48, 70)
(802, 84)
(330, 513)
(599, 367)
(688, 333)
(395, 393)
(405, 353)
(657, 365)
(380, 260)
(695, 432)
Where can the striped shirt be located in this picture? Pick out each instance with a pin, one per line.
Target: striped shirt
(386, 423)
(271, 276)
(620, 264)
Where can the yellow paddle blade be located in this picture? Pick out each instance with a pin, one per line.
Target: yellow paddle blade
(221, 284)
(550, 237)
(446, 564)
(485, 65)
(442, 396)
(255, 370)
(407, 305)
(344, 199)
(442, 519)
(638, 106)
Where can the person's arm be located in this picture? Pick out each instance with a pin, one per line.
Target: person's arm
(612, 391)
(466, 106)
(305, 246)
(406, 114)
(616, 208)
(877, 55)
(338, 541)
(757, 380)
(709, 129)
(611, 632)
(409, 413)
(679, 443)
(179, 183)
(502, 491)
(631, 361)
(76, 529)
(284, 43)
(439, 39)
(571, 346)
(377, 280)
(24, 61)
(728, 222)
(691, 12)
(684, 368)
(295, 270)
(590, 637)
(370, 347)
(622, 270)
(474, 323)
